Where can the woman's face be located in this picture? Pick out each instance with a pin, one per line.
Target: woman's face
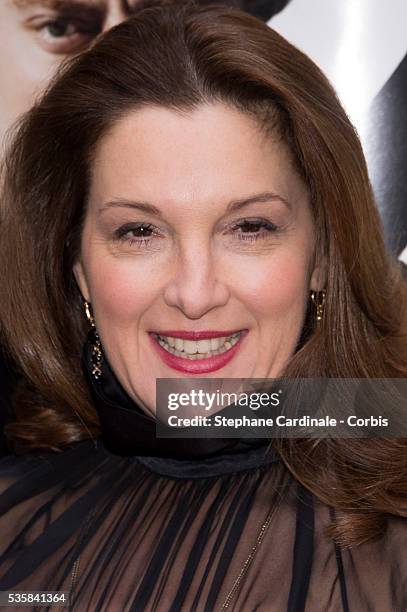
(196, 222)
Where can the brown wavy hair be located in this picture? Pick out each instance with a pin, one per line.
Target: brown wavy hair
(180, 59)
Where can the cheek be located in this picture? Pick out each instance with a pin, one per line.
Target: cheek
(275, 287)
(121, 290)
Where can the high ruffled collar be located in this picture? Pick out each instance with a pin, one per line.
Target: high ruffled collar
(129, 431)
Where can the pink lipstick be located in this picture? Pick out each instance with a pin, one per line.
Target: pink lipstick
(197, 366)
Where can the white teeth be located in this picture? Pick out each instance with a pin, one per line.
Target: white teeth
(190, 347)
(203, 346)
(198, 349)
(216, 343)
(179, 344)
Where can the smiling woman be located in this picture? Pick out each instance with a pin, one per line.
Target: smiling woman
(189, 199)
(205, 211)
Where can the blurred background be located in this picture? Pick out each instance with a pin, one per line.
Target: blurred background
(361, 45)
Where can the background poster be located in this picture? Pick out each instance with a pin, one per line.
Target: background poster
(361, 45)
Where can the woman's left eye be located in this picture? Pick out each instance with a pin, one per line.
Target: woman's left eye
(254, 229)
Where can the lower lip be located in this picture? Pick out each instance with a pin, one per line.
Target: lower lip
(197, 366)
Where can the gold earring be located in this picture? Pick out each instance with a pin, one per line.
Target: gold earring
(88, 313)
(97, 355)
(318, 298)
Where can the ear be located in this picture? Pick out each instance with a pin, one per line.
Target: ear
(80, 277)
(319, 276)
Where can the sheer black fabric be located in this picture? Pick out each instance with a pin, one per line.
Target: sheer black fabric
(210, 526)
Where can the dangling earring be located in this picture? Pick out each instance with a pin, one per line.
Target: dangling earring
(318, 298)
(97, 355)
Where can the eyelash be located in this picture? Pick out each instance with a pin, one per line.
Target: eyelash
(122, 232)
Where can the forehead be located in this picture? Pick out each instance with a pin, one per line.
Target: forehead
(208, 155)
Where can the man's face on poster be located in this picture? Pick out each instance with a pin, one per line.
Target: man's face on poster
(36, 35)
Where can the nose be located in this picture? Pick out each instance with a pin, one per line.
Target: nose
(118, 11)
(196, 286)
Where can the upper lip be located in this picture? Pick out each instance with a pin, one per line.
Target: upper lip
(196, 335)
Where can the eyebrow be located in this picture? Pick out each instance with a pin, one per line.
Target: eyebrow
(264, 197)
(62, 5)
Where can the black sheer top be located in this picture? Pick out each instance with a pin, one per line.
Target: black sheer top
(131, 522)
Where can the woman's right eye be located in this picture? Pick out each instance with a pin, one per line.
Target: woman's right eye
(139, 234)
